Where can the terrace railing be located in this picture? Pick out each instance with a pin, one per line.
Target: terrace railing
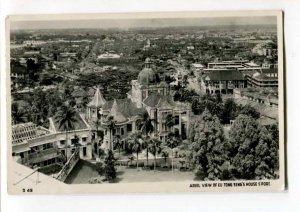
(68, 167)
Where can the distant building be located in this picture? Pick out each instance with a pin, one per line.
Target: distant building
(68, 54)
(222, 81)
(189, 48)
(263, 78)
(226, 64)
(31, 53)
(149, 93)
(34, 43)
(266, 97)
(148, 45)
(108, 56)
(263, 49)
(197, 69)
(18, 75)
(146, 84)
(264, 101)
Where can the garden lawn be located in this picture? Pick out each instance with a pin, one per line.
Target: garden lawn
(85, 170)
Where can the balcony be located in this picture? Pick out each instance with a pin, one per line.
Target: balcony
(42, 155)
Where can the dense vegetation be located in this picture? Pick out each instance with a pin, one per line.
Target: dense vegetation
(250, 152)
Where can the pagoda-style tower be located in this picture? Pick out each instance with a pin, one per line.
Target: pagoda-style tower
(114, 124)
(94, 108)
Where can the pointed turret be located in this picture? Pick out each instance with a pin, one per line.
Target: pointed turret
(116, 113)
(98, 100)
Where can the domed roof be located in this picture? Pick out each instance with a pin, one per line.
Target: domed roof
(147, 76)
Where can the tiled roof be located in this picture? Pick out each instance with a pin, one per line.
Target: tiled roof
(225, 75)
(266, 121)
(158, 100)
(125, 107)
(116, 113)
(79, 124)
(264, 110)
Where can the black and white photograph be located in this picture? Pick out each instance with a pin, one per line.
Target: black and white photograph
(146, 102)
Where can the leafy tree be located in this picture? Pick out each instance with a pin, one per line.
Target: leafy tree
(273, 129)
(33, 69)
(169, 79)
(213, 103)
(17, 114)
(85, 99)
(186, 156)
(40, 106)
(229, 111)
(185, 95)
(250, 111)
(110, 172)
(253, 149)
(185, 81)
(208, 147)
(100, 168)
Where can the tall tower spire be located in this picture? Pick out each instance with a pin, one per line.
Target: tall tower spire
(98, 100)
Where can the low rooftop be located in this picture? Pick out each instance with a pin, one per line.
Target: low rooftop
(27, 131)
(224, 75)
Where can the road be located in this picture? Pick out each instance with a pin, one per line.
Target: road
(193, 83)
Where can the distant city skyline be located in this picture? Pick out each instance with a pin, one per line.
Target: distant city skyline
(142, 23)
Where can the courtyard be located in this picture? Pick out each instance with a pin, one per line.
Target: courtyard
(85, 170)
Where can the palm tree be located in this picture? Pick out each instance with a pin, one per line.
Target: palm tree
(118, 144)
(66, 118)
(155, 148)
(111, 127)
(165, 155)
(146, 124)
(131, 158)
(17, 114)
(172, 142)
(146, 144)
(136, 145)
(97, 124)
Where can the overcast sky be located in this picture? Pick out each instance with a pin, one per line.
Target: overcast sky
(133, 23)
